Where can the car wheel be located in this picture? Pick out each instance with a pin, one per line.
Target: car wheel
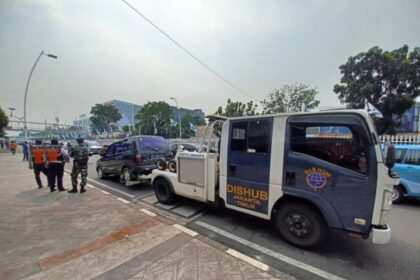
(163, 191)
(125, 177)
(172, 166)
(397, 194)
(101, 173)
(300, 225)
(161, 164)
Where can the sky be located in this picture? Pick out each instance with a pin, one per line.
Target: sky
(106, 51)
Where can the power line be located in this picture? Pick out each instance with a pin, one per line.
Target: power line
(188, 52)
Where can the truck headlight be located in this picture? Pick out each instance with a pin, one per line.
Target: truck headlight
(387, 201)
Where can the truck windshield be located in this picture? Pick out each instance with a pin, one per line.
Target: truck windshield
(153, 144)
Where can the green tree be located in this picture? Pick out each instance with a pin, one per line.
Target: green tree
(290, 98)
(389, 80)
(189, 122)
(4, 121)
(154, 118)
(104, 117)
(237, 109)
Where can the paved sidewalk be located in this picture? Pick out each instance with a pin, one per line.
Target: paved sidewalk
(56, 235)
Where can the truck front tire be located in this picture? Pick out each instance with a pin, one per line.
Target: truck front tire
(163, 191)
(300, 224)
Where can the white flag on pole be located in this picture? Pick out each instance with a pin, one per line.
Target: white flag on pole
(372, 110)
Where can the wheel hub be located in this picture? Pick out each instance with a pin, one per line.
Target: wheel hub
(298, 225)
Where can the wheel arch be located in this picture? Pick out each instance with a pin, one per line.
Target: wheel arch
(161, 176)
(326, 210)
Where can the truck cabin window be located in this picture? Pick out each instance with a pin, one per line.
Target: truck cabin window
(343, 145)
(250, 137)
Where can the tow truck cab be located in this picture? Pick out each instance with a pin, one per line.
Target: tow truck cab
(306, 172)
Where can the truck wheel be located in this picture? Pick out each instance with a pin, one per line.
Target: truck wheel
(101, 174)
(397, 194)
(125, 177)
(163, 191)
(161, 164)
(300, 224)
(172, 166)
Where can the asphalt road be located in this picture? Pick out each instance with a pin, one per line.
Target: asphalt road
(340, 257)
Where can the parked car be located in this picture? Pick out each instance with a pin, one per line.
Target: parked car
(408, 167)
(132, 157)
(93, 146)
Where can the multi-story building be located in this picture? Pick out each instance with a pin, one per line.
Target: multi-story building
(128, 113)
(127, 110)
(82, 122)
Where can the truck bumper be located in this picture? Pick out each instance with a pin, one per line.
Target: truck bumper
(381, 235)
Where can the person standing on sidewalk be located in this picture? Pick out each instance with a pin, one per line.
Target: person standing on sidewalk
(25, 148)
(54, 162)
(36, 161)
(64, 157)
(80, 155)
(13, 146)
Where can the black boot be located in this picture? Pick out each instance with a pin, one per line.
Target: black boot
(52, 189)
(82, 189)
(73, 190)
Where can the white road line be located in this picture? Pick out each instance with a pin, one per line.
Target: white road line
(281, 257)
(123, 200)
(185, 230)
(147, 212)
(247, 259)
(112, 189)
(105, 186)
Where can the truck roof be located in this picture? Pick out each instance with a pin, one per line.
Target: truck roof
(347, 111)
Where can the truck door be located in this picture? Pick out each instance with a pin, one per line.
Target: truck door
(248, 164)
(330, 160)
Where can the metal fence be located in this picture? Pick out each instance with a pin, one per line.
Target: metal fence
(410, 139)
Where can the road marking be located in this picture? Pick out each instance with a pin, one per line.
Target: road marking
(150, 213)
(247, 259)
(90, 186)
(106, 187)
(281, 257)
(104, 192)
(123, 200)
(111, 189)
(185, 230)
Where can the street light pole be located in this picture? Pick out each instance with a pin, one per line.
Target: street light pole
(179, 116)
(26, 90)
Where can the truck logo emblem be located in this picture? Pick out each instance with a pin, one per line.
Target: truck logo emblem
(316, 178)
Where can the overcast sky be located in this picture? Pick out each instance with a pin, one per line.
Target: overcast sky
(106, 51)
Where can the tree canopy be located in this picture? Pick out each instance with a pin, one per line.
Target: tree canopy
(389, 80)
(4, 121)
(189, 125)
(154, 118)
(290, 98)
(103, 117)
(237, 109)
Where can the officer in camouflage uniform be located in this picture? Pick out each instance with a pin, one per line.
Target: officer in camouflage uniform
(80, 155)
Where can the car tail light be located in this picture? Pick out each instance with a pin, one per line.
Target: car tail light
(139, 159)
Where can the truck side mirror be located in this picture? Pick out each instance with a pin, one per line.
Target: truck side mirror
(390, 156)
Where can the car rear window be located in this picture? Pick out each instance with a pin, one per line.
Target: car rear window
(153, 144)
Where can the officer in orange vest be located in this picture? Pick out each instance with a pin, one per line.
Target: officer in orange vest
(36, 161)
(54, 160)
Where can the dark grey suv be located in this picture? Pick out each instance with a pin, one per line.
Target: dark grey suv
(132, 157)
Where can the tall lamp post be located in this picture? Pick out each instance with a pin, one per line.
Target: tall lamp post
(179, 116)
(26, 90)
